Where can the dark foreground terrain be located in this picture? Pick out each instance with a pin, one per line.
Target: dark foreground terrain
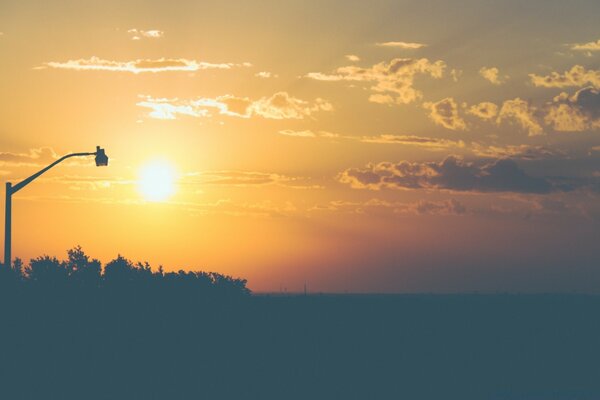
(120, 344)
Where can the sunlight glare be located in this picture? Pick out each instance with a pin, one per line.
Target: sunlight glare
(156, 181)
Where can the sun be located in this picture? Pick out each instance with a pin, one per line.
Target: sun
(156, 181)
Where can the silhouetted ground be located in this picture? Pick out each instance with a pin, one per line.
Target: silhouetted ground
(127, 346)
(71, 330)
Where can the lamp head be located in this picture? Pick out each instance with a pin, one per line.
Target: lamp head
(101, 157)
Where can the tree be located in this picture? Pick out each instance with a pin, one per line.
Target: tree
(85, 272)
(47, 271)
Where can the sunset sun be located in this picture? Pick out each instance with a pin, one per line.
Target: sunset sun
(156, 181)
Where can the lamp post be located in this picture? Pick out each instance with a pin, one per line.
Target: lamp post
(101, 160)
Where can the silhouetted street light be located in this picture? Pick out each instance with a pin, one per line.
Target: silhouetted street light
(101, 160)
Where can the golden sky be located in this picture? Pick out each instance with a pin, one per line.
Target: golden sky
(381, 146)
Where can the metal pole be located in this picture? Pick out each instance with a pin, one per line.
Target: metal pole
(7, 223)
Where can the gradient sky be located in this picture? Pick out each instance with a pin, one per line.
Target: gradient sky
(381, 146)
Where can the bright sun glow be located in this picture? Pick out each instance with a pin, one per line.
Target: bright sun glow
(156, 181)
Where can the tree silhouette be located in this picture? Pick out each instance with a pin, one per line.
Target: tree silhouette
(47, 271)
(83, 271)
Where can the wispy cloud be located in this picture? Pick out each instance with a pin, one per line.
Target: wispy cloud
(247, 179)
(35, 157)
(401, 45)
(484, 110)
(411, 140)
(278, 106)
(139, 66)
(265, 74)
(392, 81)
(521, 112)
(522, 151)
(426, 143)
(379, 206)
(352, 57)
(576, 76)
(138, 34)
(445, 113)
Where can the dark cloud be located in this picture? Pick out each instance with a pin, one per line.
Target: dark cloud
(578, 112)
(454, 173)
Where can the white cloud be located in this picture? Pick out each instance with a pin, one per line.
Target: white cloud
(279, 106)
(305, 133)
(352, 57)
(401, 45)
(265, 74)
(138, 34)
(139, 66)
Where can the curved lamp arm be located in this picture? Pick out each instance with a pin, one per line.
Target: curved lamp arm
(24, 182)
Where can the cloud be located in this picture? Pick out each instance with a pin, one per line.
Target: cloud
(306, 133)
(378, 206)
(283, 106)
(456, 74)
(492, 75)
(446, 207)
(36, 157)
(312, 134)
(264, 209)
(352, 57)
(401, 45)
(78, 182)
(392, 81)
(247, 179)
(484, 110)
(575, 113)
(411, 140)
(523, 151)
(138, 66)
(139, 34)
(453, 173)
(520, 111)
(265, 74)
(589, 46)
(576, 76)
(279, 106)
(445, 113)
(426, 143)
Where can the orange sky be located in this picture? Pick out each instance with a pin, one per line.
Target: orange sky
(380, 147)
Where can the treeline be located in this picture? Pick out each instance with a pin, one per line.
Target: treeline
(81, 272)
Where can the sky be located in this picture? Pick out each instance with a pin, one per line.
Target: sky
(381, 146)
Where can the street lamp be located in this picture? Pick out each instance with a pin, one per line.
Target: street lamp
(101, 160)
